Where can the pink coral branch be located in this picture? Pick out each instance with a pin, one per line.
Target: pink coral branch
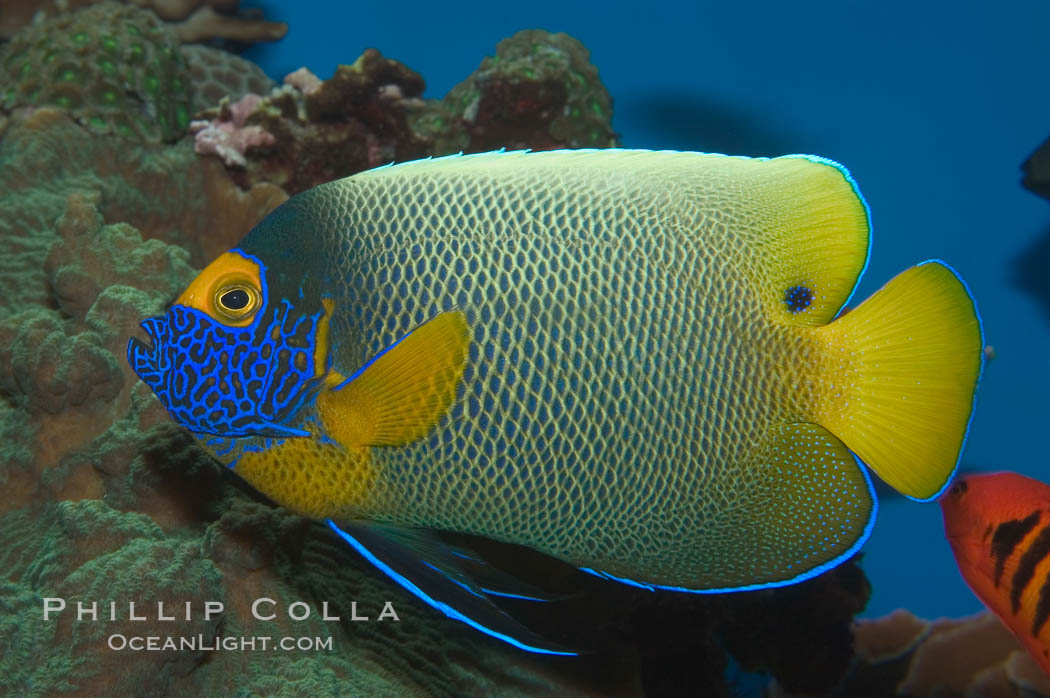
(229, 138)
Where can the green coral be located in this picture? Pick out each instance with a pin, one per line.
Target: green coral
(51, 369)
(116, 68)
(215, 74)
(83, 552)
(536, 79)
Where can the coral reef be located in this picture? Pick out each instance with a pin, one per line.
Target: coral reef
(353, 121)
(215, 74)
(116, 68)
(168, 193)
(539, 91)
(74, 288)
(194, 20)
(902, 655)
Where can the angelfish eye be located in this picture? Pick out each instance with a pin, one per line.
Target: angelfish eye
(237, 301)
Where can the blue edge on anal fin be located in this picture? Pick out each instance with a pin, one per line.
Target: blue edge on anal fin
(443, 592)
(800, 577)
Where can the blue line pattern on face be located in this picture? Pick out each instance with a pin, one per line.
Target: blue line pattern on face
(231, 381)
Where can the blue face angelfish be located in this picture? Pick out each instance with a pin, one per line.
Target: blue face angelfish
(629, 360)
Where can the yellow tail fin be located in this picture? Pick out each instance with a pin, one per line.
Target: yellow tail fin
(899, 378)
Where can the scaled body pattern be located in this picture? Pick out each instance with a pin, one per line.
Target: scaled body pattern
(629, 360)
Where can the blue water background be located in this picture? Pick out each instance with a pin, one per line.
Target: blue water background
(931, 105)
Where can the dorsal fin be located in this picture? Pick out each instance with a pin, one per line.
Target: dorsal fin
(797, 224)
(810, 240)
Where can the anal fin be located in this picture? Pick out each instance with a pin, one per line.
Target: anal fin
(826, 501)
(428, 569)
(808, 507)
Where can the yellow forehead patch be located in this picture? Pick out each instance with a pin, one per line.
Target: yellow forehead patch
(227, 270)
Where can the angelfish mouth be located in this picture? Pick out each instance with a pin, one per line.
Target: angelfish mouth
(139, 351)
(142, 356)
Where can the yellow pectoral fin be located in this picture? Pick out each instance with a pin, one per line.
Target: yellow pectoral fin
(402, 393)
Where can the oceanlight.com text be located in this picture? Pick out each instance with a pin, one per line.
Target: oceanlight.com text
(200, 643)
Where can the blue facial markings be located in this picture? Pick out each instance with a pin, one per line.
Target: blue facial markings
(231, 381)
(145, 361)
(798, 298)
(292, 378)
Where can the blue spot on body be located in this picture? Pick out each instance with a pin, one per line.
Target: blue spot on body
(798, 298)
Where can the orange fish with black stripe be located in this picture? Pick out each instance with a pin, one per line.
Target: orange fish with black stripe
(998, 525)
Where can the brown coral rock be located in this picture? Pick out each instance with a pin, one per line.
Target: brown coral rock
(901, 655)
(889, 637)
(205, 23)
(540, 91)
(349, 123)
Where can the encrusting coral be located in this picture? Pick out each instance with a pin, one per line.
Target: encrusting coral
(193, 20)
(215, 74)
(116, 68)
